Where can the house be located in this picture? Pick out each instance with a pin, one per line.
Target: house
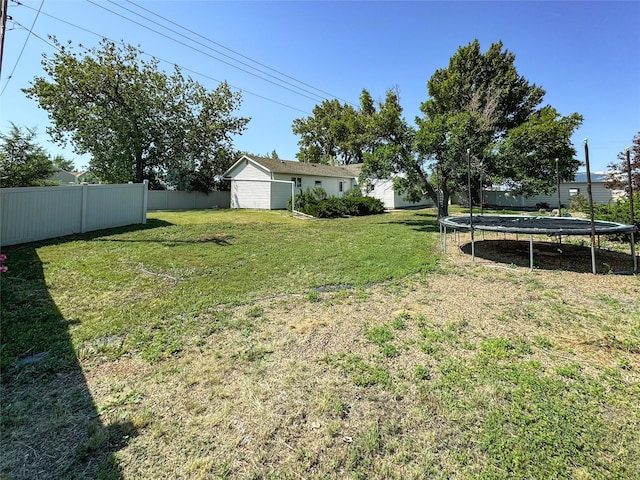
(267, 183)
(63, 177)
(70, 178)
(502, 197)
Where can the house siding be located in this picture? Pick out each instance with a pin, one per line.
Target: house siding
(250, 187)
(250, 194)
(280, 195)
(599, 193)
(384, 191)
(329, 184)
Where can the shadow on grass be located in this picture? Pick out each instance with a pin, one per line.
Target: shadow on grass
(550, 256)
(220, 240)
(428, 225)
(51, 427)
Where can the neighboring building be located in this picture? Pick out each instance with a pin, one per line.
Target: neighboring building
(502, 197)
(266, 183)
(383, 190)
(63, 177)
(66, 178)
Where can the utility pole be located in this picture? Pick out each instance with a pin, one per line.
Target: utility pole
(5, 4)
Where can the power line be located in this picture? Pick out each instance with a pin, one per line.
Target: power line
(158, 58)
(234, 51)
(23, 47)
(205, 53)
(208, 47)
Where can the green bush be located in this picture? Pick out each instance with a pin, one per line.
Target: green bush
(617, 211)
(316, 203)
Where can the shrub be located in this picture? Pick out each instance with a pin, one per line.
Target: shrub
(353, 193)
(580, 204)
(617, 211)
(316, 203)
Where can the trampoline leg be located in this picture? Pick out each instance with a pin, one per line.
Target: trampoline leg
(593, 258)
(445, 240)
(633, 254)
(531, 253)
(473, 248)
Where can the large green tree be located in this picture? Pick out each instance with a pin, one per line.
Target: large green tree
(342, 134)
(481, 107)
(617, 175)
(136, 121)
(23, 163)
(328, 135)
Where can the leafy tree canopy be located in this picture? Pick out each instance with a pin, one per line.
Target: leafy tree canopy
(617, 178)
(23, 163)
(341, 134)
(480, 104)
(63, 163)
(136, 121)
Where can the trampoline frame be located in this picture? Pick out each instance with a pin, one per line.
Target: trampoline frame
(526, 224)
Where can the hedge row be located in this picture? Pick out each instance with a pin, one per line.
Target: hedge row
(316, 203)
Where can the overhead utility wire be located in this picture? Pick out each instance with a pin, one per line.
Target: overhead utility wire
(161, 60)
(236, 52)
(23, 47)
(209, 48)
(204, 53)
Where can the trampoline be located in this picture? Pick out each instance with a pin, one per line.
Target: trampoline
(521, 224)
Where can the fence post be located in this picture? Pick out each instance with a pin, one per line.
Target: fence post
(145, 195)
(83, 208)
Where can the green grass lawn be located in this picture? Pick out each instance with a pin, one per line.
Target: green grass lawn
(245, 344)
(143, 289)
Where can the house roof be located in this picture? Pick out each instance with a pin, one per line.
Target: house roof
(299, 168)
(596, 177)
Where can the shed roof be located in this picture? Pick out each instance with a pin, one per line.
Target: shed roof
(299, 168)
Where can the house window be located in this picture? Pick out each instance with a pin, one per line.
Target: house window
(318, 183)
(297, 181)
(340, 187)
(574, 192)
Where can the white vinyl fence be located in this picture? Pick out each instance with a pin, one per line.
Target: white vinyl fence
(29, 214)
(176, 200)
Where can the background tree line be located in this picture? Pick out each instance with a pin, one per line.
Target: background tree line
(137, 122)
(24, 163)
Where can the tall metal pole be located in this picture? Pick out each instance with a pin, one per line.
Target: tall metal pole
(631, 214)
(473, 252)
(481, 191)
(630, 181)
(593, 225)
(3, 26)
(558, 188)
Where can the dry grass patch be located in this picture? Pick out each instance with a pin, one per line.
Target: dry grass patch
(431, 376)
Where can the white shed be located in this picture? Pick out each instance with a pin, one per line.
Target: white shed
(267, 184)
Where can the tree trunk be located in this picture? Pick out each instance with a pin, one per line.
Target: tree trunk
(443, 205)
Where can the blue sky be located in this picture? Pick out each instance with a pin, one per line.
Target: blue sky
(584, 54)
